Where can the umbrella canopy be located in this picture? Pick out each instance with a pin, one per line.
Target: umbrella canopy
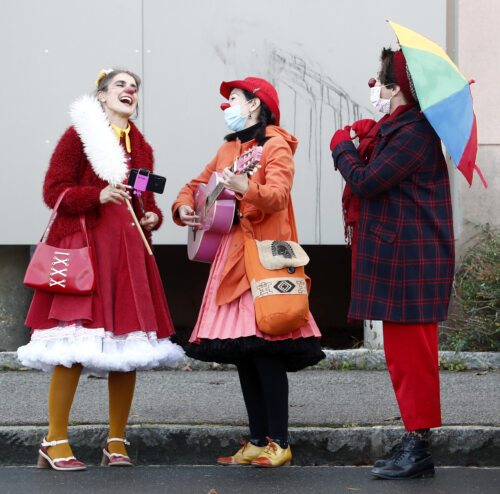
(444, 97)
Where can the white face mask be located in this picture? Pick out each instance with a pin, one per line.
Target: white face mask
(381, 104)
(234, 119)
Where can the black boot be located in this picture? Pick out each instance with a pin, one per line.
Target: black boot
(419, 434)
(410, 460)
(382, 462)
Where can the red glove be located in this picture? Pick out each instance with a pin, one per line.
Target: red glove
(340, 135)
(362, 127)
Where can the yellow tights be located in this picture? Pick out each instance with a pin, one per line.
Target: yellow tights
(121, 387)
(62, 389)
(61, 393)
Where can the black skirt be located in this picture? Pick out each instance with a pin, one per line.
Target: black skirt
(296, 354)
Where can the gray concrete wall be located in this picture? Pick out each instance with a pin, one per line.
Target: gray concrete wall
(478, 55)
(320, 55)
(14, 296)
(478, 205)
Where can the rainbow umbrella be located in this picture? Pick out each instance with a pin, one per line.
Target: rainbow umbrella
(444, 97)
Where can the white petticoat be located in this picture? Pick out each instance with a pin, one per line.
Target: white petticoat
(97, 350)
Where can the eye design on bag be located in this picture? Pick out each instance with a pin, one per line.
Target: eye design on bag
(283, 249)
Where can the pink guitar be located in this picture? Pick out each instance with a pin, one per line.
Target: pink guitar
(216, 206)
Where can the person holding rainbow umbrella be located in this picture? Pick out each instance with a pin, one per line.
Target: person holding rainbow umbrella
(397, 205)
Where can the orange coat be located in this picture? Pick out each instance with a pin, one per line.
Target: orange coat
(266, 206)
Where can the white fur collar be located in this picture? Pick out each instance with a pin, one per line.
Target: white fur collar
(100, 144)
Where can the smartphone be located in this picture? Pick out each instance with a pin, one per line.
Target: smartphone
(143, 180)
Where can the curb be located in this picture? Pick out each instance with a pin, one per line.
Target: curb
(312, 446)
(361, 359)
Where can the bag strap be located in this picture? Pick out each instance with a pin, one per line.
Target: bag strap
(84, 228)
(293, 225)
(54, 215)
(247, 227)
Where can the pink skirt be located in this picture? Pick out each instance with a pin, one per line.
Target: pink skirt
(229, 332)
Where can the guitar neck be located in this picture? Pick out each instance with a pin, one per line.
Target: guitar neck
(212, 197)
(242, 165)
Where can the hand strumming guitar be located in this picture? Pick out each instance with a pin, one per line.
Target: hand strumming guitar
(188, 216)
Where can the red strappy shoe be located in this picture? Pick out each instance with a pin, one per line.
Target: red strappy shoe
(115, 459)
(69, 464)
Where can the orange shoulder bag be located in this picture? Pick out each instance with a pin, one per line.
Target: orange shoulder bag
(280, 287)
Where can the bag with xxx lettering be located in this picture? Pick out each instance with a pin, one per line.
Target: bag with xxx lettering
(59, 270)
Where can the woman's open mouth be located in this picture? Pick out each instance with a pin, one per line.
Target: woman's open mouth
(127, 100)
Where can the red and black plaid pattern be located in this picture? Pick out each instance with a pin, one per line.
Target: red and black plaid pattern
(405, 260)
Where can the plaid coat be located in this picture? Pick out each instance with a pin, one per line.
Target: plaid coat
(405, 261)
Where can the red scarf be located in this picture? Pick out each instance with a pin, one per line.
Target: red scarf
(350, 202)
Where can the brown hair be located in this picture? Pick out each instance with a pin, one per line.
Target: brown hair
(105, 81)
(387, 76)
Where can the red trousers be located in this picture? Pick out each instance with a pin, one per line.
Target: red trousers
(411, 352)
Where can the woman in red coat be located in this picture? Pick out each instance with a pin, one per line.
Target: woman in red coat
(226, 330)
(125, 324)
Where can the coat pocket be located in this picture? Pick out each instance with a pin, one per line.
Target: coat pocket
(386, 232)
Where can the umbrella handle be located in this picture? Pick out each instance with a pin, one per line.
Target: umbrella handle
(139, 227)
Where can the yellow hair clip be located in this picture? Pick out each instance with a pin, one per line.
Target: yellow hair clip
(102, 74)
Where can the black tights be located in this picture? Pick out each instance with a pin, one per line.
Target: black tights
(265, 390)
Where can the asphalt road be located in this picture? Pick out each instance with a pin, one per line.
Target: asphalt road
(317, 398)
(244, 480)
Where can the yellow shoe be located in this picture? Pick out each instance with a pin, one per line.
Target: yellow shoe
(273, 456)
(244, 456)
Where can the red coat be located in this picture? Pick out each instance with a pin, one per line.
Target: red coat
(129, 295)
(69, 167)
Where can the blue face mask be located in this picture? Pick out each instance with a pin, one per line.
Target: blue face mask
(234, 119)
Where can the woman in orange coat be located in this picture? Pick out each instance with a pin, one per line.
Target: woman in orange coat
(226, 330)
